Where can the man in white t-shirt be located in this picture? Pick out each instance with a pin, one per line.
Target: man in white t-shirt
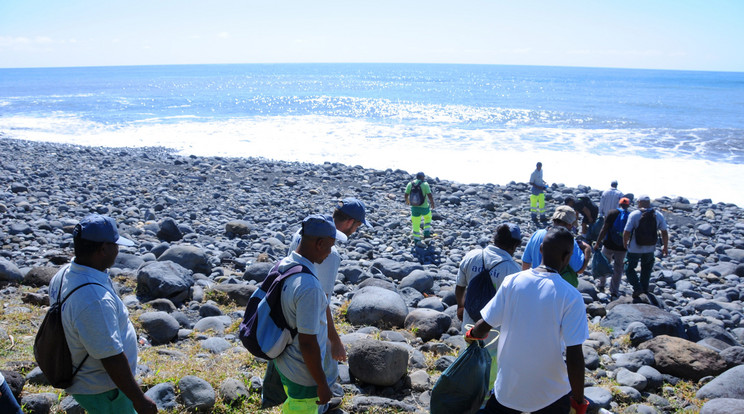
(102, 340)
(497, 259)
(538, 312)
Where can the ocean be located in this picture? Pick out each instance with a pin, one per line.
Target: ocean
(662, 133)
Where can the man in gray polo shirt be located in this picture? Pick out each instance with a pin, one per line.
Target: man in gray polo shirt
(641, 246)
(96, 323)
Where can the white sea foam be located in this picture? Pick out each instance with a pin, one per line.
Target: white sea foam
(570, 156)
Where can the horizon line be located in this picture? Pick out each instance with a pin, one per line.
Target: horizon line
(372, 63)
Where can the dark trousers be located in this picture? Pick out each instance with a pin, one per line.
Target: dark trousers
(561, 406)
(647, 265)
(8, 403)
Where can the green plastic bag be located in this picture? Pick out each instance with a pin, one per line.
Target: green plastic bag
(570, 276)
(463, 386)
(272, 393)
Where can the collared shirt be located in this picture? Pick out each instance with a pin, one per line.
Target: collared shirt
(536, 179)
(609, 201)
(304, 306)
(96, 323)
(327, 271)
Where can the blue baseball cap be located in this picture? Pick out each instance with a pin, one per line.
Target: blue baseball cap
(98, 228)
(353, 208)
(321, 226)
(514, 230)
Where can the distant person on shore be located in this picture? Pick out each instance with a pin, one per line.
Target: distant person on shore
(538, 313)
(8, 403)
(348, 216)
(421, 200)
(565, 217)
(610, 199)
(584, 206)
(497, 261)
(537, 195)
(305, 374)
(610, 240)
(640, 238)
(97, 327)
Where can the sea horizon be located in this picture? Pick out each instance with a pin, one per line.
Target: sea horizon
(658, 132)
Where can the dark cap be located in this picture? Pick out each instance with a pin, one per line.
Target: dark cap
(98, 228)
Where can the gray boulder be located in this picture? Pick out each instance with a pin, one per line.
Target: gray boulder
(634, 360)
(363, 404)
(378, 307)
(418, 279)
(703, 330)
(378, 362)
(237, 292)
(9, 272)
(410, 296)
(233, 390)
(427, 324)
(164, 279)
(394, 269)
(168, 230)
(38, 403)
(631, 379)
(215, 345)
(598, 397)
(733, 355)
(69, 406)
(164, 396)
(160, 326)
(654, 378)
(39, 276)
(257, 271)
(190, 257)
(638, 333)
(128, 261)
(432, 302)
(218, 324)
(726, 385)
(237, 227)
(723, 406)
(658, 321)
(196, 394)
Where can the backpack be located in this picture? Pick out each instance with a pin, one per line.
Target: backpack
(645, 233)
(51, 351)
(264, 330)
(615, 235)
(480, 290)
(417, 195)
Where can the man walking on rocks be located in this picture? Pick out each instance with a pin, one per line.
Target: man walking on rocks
(304, 372)
(537, 195)
(538, 313)
(102, 340)
(421, 200)
(348, 216)
(609, 200)
(565, 217)
(640, 238)
(497, 260)
(610, 240)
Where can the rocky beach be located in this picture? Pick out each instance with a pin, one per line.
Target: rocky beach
(208, 230)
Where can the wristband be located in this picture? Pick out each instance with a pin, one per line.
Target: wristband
(469, 335)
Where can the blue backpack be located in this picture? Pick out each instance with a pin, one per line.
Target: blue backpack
(480, 290)
(616, 232)
(264, 330)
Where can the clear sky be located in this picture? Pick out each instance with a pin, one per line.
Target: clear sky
(655, 34)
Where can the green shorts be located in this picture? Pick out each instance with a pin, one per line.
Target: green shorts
(109, 402)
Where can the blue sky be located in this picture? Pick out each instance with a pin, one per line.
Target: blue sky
(660, 34)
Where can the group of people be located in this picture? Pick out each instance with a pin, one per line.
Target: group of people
(103, 341)
(538, 314)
